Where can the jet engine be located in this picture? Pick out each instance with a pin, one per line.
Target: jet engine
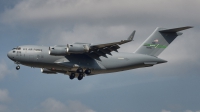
(64, 50)
(44, 70)
(57, 51)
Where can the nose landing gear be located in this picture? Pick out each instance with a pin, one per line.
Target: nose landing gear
(17, 63)
(17, 67)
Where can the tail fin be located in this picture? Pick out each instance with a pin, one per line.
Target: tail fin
(159, 40)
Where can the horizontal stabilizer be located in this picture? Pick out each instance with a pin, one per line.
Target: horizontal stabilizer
(175, 29)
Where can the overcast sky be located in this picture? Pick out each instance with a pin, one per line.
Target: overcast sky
(169, 87)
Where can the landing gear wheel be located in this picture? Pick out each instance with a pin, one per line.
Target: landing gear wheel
(72, 76)
(88, 71)
(17, 67)
(79, 70)
(80, 76)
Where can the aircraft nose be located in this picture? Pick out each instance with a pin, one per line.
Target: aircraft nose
(9, 54)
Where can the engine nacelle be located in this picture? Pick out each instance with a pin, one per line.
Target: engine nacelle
(58, 51)
(78, 48)
(44, 70)
(64, 50)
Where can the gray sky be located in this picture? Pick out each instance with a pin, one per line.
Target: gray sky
(169, 87)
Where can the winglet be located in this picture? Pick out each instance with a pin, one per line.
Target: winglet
(130, 38)
(175, 29)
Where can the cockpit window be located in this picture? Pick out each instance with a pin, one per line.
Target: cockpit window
(18, 48)
(13, 51)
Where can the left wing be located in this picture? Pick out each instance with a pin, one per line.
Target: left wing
(98, 50)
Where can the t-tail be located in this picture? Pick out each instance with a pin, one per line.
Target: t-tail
(159, 40)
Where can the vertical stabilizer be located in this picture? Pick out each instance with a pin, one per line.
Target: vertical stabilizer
(159, 40)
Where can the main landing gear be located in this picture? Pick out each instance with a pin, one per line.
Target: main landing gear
(80, 72)
(72, 76)
(80, 76)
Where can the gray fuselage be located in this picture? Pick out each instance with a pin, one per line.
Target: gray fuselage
(38, 56)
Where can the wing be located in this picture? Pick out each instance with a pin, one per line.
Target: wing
(98, 50)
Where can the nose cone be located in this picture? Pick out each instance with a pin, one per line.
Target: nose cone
(9, 54)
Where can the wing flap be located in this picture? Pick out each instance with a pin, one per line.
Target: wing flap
(105, 51)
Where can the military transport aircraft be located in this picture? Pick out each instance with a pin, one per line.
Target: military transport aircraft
(80, 59)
